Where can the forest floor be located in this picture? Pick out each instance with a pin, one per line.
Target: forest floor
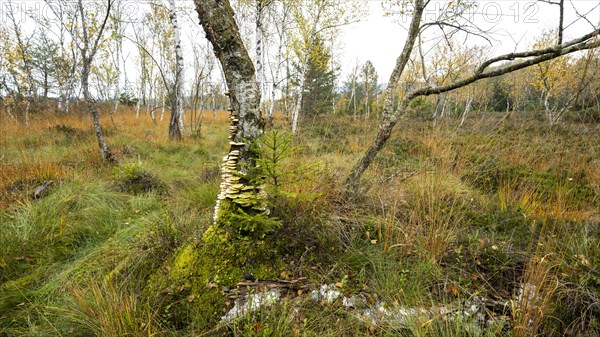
(500, 214)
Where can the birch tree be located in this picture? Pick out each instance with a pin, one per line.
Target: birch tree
(369, 79)
(492, 67)
(66, 58)
(280, 15)
(556, 81)
(261, 9)
(87, 29)
(246, 123)
(176, 122)
(117, 27)
(23, 52)
(88, 47)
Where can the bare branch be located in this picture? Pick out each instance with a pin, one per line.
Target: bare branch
(538, 56)
(101, 30)
(561, 22)
(538, 52)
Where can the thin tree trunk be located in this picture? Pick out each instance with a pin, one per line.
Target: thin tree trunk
(214, 103)
(60, 104)
(466, 112)
(272, 106)
(390, 117)
(88, 50)
(260, 78)
(176, 122)
(27, 108)
(8, 110)
(162, 111)
(117, 84)
(138, 106)
(353, 99)
(91, 106)
(298, 105)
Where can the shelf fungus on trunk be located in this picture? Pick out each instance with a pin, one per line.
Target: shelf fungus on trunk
(235, 185)
(238, 186)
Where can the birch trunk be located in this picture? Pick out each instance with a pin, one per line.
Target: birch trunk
(138, 106)
(272, 106)
(298, 105)
(390, 117)
(214, 102)
(91, 106)
(176, 122)
(162, 111)
(260, 7)
(27, 108)
(88, 51)
(61, 94)
(117, 83)
(8, 110)
(246, 123)
(466, 112)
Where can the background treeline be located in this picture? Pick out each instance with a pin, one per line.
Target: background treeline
(296, 53)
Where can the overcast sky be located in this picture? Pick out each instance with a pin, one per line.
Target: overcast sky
(379, 38)
(516, 24)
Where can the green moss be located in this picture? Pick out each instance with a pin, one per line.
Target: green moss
(184, 261)
(488, 173)
(189, 285)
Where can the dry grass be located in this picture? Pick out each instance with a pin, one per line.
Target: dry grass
(18, 182)
(420, 222)
(107, 311)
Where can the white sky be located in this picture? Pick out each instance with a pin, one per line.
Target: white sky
(380, 39)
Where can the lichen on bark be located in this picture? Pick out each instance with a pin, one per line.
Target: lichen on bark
(245, 120)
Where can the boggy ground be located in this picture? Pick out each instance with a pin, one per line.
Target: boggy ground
(500, 209)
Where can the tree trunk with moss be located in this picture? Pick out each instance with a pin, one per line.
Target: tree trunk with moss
(246, 123)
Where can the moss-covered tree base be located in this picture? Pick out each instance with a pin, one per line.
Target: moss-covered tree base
(192, 286)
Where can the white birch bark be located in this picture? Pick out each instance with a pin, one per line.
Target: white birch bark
(467, 110)
(176, 126)
(300, 93)
(260, 78)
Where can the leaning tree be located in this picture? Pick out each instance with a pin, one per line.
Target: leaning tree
(453, 19)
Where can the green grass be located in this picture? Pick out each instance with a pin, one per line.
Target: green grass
(445, 214)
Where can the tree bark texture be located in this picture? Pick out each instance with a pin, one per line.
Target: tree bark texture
(176, 121)
(260, 8)
(246, 123)
(91, 106)
(390, 118)
(300, 96)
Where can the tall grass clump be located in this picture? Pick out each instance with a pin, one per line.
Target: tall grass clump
(107, 310)
(52, 229)
(435, 215)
